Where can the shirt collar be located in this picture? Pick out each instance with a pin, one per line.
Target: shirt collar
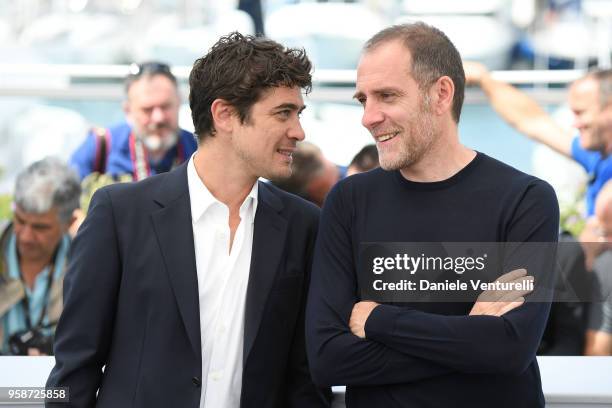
(249, 206)
(202, 199)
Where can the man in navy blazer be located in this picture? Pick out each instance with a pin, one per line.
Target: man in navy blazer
(189, 287)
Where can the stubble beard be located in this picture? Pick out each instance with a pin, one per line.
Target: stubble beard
(417, 141)
(260, 167)
(600, 140)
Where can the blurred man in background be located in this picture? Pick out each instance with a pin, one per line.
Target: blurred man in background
(34, 250)
(149, 141)
(313, 174)
(365, 160)
(595, 240)
(589, 98)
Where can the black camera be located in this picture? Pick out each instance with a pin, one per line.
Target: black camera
(20, 342)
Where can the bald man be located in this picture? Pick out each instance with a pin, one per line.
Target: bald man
(597, 242)
(589, 98)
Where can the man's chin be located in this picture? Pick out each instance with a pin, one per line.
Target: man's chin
(587, 142)
(390, 163)
(159, 143)
(29, 254)
(278, 174)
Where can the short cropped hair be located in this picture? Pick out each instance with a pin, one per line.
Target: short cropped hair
(48, 184)
(239, 69)
(366, 159)
(433, 56)
(604, 82)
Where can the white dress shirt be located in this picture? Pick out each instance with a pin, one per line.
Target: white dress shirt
(222, 285)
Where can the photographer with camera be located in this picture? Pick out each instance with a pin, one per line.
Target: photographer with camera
(34, 249)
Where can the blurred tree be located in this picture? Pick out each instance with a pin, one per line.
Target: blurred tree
(5, 207)
(5, 203)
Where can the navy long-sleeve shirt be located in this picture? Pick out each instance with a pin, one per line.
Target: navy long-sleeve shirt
(429, 354)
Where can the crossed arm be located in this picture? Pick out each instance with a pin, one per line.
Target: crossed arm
(399, 345)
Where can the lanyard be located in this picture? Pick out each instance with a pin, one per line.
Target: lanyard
(25, 302)
(180, 153)
(140, 162)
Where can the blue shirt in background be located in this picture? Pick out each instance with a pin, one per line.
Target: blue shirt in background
(598, 168)
(119, 160)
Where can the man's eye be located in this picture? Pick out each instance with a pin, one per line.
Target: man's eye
(362, 101)
(284, 114)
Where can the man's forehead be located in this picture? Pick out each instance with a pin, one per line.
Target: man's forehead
(281, 95)
(384, 54)
(583, 90)
(47, 216)
(384, 68)
(148, 85)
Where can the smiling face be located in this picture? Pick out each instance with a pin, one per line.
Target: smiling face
(585, 104)
(396, 112)
(604, 125)
(267, 139)
(152, 109)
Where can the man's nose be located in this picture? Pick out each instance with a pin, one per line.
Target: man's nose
(579, 122)
(372, 116)
(158, 115)
(25, 234)
(297, 132)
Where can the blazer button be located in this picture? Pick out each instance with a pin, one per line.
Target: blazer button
(196, 381)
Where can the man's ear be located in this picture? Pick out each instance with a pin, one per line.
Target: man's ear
(223, 115)
(442, 94)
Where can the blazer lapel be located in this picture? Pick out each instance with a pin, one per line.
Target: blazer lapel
(173, 227)
(269, 234)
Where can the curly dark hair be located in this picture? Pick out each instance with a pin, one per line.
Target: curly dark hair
(238, 69)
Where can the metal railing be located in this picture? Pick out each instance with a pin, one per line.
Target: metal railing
(104, 82)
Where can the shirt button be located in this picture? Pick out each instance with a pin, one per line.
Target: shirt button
(215, 376)
(196, 381)
(222, 329)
